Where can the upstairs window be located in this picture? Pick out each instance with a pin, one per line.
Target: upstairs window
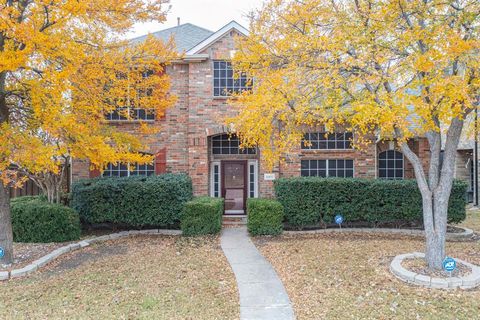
(229, 144)
(129, 111)
(120, 114)
(225, 82)
(121, 170)
(327, 141)
(390, 165)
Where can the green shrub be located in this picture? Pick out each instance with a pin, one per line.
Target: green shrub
(312, 200)
(136, 201)
(35, 220)
(202, 215)
(28, 198)
(265, 217)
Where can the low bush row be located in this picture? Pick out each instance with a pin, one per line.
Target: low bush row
(36, 220)
(133, 201)
(202, 215)
(265, 217)
(312, 201)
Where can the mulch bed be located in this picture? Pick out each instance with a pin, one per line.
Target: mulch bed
(419, 266)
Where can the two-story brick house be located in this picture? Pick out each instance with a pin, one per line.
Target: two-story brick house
(193, 138)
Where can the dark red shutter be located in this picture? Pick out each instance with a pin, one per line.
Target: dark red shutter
(161, 161)
(94, 173)
(162, 73)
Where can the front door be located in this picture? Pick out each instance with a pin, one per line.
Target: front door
(234, 189)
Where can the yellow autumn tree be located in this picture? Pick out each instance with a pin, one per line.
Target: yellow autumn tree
(391, 68)
(63, 68)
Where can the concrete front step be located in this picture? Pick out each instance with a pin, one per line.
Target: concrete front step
(234, 220)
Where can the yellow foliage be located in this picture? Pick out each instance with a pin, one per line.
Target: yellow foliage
(394, 68)
(63, 67)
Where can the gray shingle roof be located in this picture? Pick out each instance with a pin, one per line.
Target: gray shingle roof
(186, 36)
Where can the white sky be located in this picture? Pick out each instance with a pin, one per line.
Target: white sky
(210, 14)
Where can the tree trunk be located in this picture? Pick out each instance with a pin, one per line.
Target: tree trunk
(436, 189)
(434, 235)
(6, 233)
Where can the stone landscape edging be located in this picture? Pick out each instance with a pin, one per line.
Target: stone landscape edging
(39, 263)
(469, 281)
(465, 235)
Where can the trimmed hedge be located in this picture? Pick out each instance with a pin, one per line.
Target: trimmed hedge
(202, 215)
(136, 201)
(265, 217)
(36, 220)
(311, 201)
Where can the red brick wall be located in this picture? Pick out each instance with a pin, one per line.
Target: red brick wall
(185, 130)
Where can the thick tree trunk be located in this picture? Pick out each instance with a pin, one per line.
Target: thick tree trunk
(6, 234)
(436, 189)
(434, 210)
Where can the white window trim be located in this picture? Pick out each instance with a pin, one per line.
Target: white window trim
(328, 149)
(386, 168)
(130, 109)
(255, 173)
(212, 180)
(327, 168)
(129, 171)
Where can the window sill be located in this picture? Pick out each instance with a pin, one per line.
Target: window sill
(222, 97)
(326, 150)
(129, 121)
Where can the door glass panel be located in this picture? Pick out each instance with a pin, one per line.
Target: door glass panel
(234, 179)
(234, 175)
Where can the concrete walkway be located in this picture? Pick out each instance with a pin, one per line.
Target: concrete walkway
(262, 295)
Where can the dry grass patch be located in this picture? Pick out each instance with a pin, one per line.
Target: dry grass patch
(134, 278)
(346, 276)
(473, 220)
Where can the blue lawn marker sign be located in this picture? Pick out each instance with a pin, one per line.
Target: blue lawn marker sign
(2, 252)
(449, 264)
(339, 219)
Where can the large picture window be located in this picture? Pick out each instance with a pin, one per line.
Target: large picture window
(121, 170)
(390, 165)
(224, 81)
(326, 141)
(229, 144)
(340, 168)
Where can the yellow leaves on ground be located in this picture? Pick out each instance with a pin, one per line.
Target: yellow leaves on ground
(162, 278)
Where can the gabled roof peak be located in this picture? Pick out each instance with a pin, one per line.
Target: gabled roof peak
(217, 35)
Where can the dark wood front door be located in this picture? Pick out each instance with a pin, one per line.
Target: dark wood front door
(234, 190)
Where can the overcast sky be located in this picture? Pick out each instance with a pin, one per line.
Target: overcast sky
(210, 14)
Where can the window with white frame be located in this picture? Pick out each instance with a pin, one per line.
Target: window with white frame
(215, 180)
(122, 170)
(340, 168)
(229, 144)
(252, 179)
(225, 82)
(390, 165)
(327, 141)
(124, 114)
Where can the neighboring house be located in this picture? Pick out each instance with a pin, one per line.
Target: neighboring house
(194, 140)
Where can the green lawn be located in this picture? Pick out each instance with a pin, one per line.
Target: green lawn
(346, 276)
(136, 278)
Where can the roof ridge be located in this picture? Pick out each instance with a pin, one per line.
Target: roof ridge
(170, 29)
